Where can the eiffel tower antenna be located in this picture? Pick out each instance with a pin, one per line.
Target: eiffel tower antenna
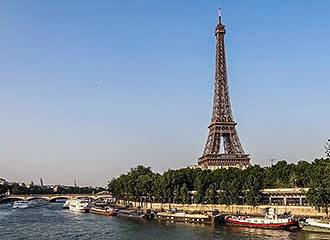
(219, 14)
(222, 130)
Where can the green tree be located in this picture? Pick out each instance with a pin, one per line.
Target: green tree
(235, 186)
(303, 174)
(253, 183)
(184, 194)
(159, 187)
(318, 194)
(16, 189)
(231, 186)
(168, 185)
(145, 185)
(319, 197)
(202, 181)
(211, 194)
(176, 194)
(327, 149)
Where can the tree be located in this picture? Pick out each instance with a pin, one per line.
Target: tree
(159, 187)
(176, 194)
(202, 181)
(16, 189)
(279, 175)
(145, 185)
(168, 185)
(226, 186)
(303, 173)
(211, 194)
(318, 194)
(3, 187)
(319, 197)
(231, 186)
(254, 176)
(184, 194)
(327, 149)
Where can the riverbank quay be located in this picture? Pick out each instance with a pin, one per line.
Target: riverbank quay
(297, 211)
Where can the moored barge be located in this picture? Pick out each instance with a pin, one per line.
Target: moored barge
(79, 205)
(316, 225)
(136, 213)
(185, 217)
(271, 221)
(107, 211)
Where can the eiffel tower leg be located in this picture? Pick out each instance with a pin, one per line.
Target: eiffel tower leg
(236, 143)
(213, 142)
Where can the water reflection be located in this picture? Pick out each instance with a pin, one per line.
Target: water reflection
(259, 232)
(52, 222)
(314, 236)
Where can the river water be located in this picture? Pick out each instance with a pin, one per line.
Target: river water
(50, 221)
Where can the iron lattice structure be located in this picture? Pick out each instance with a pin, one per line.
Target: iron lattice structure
(222, 129)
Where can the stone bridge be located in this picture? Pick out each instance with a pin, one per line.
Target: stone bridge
(52, 197)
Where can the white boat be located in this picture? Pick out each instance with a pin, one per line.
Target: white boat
(66, 204)
(78, 205)
(21, 204)
(316, 225)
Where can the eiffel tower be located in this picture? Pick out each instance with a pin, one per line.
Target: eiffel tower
(222, 130)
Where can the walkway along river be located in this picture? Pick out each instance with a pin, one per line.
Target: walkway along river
(299, 211)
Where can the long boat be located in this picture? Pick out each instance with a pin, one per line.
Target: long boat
(135, 213)
(21, 204)
(107, 211)
(185, 217)
(271, 220)
(316, 225)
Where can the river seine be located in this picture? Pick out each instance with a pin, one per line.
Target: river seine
(50, 221)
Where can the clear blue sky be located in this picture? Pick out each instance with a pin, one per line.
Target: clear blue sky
(92, 88)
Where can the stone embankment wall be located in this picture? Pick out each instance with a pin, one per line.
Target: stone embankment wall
(301, 211)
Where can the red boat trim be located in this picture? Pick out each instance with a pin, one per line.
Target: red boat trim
(261, 225)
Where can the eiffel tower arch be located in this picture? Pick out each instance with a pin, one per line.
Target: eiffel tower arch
(222, 130)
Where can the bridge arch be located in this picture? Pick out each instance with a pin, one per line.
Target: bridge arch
(37, 198)
(11, 199)
(53, 199)
(86, 197)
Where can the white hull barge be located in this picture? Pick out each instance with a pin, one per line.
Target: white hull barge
(21, 204)
(316, 225)
(78, 205)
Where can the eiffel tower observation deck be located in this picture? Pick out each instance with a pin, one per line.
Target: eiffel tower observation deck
(223, 148)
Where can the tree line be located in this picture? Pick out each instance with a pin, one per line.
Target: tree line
(21, 189)
(224, 186)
